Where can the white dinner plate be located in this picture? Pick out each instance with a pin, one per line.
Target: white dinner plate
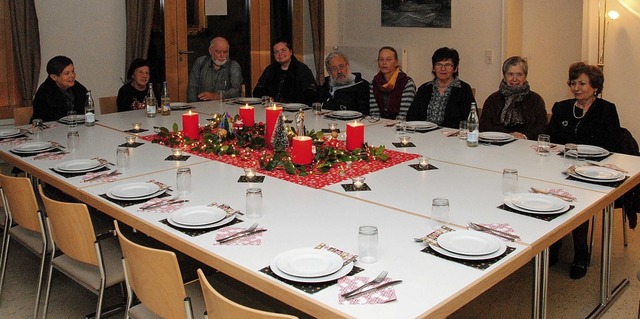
(294, 106)
(336, 275)
(590, 150)
(158, 193)
(598, 173)
(180, 106)
(346, 115)
(421, 125)
(584, 178)
(469, 242)
(197, 215)
(32, 147)
(249, 100)
(133, 190)
(309, 262)
(78, 165)
(495, 136)
(507, 201)
(497, 253)
(9, 133)
(538, 202)
(79, 118)
(224, 221)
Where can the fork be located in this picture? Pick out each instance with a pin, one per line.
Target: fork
(376, 280)
(238, 234)
(114, 172)
(494, 232)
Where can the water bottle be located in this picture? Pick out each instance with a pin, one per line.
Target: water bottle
(89, 111)
(152, 103)
(165, 101)
(472, 126)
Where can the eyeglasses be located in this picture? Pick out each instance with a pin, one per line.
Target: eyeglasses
(444, 65)
(338, 68)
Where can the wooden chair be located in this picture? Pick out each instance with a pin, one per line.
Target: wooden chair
(22, 115)
(92, 261)
(22, 211)
(108, 104)
(154, 276)
(219, 307)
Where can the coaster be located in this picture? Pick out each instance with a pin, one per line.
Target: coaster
(255, 179)
(545, 217)
(351, 188)
(198, 232)
(478, 264)
(134, 145)
(326, 130)
(69, 175)
(309, 288)
(417, 167)
(177, 158)
(136, 131)
(400, 145)
(127, 203)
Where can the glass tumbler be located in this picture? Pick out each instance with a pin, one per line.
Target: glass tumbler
(509, 181)
(439, 212)
(368, 244)
(37, 125)
(72, 118)
(254, 203)
(183, 180)
(317, 108)
(122, 158)
(73, 141)
(544, 145)
(462, 133)
(570, 150)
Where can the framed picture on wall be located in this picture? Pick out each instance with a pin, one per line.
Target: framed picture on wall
(416, 13)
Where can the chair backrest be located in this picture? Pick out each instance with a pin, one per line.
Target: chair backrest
(219, 307)
(71, 229)
(108, 104)
(628, 144)
(22, 115)
(154, 276)
(21, 201)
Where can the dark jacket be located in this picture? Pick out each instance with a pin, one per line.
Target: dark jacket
(533, 111)
(355, 97)
(457, 108)
(51, 104)
(295, 85)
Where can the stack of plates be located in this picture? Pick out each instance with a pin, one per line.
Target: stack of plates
(536, 203)
(248, 100)
(78, 166)
(7, 133)
(309, 265)
(179, 106)
(345, 115)
(469, 245)
(199, 217)
(597, 174)
(294, 106)
(590, 151)
(135, 191)
(79, 118)
(495, 137)
(33, 147)
(421, 126)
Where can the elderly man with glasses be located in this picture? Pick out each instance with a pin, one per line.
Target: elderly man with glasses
(343, 90)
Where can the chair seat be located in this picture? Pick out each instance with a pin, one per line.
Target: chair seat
(192, 289)
(29, 239)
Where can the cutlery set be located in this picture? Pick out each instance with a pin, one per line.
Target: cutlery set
(112, 173)
(545, 192)
(495, 232)
(374, 282)
(164, 203)
(247, 232)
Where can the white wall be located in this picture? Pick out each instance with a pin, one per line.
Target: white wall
(90, 32)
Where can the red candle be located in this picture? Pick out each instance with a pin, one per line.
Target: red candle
(190, 126)
(247, 115)
(355, 135)
(301, 150)
(273, 112)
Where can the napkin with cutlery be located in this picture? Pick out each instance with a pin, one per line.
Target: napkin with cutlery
(500, 227)
(554, 147)
(346, 256)
(557, 192)
(52, 156)
(448, 133)
(161, 205)
(255, 239)
(377, 296)
(102, 177)
(610, 166)
(14, 140)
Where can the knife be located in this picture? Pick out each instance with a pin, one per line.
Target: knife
(376, 288)
(242, 235)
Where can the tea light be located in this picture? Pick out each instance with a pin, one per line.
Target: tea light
(272, 114)
(423, 162)
(130, 140)
(333, 126)
(247, 115)
(404, 139)
(190, 125)
(177, 152)
(355, 135)
(137, 126)
(249, 173)
(302, 150)
(358, 181)
(348, 164)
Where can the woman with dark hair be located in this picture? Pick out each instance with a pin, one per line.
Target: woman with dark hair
(60, 92)
(391, 91)
(585, 119)
(131, 95)
(445, 100)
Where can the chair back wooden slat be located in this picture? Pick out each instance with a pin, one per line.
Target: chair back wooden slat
(21, 200)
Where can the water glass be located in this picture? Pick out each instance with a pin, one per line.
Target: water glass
(509, 181)
(221, 95)
(72, 118)
(439, 212)
(73, 141)
(544, 145)
(37, 125)
(317, 108)
(183, 180)
(122, 158)
(368, 244)
(401, 127)
(254, 203)
(462, 130)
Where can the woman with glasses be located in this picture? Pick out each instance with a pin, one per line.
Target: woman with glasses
(391, 91)
(446, 99)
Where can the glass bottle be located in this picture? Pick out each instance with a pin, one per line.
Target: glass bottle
(472, 126)
(165, 101)
(89, 111)
(152, 103)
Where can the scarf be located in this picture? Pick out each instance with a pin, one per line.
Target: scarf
(511, 115)
(393, 89)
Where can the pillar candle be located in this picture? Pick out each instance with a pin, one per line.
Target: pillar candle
(272, 118)
(355, 135)
(190, 125)
(247, 115)
(301, 150)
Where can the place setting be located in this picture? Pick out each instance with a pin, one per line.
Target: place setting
(596, 174)
(295, 107)
(199, 219)
(420, 126)
(541, 206)
(29, 149)
(583, 152)
(80, 167)
(344, 115)
(495, 138)
(10, 136)
(128, 194)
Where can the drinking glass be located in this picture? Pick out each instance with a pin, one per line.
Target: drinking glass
(73, 141)
(183, 180)
(37, 128)
(544, 144)
(462, 127)
(72, 118)
(122, 158)
(317, 108)
(368, 244)
(254, 203)
(509, 181)
(401, 127)
(571, 150)
(439, 212)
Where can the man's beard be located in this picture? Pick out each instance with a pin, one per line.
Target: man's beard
(218, 63)
(348, 79)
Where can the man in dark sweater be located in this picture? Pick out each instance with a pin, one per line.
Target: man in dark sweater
(343, 90)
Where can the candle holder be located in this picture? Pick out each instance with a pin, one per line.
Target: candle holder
(136, 126)
(423, 162)
(404, 139)
(333, 126)
(176, 152)
(249, 173)
(131, 140)
(358, 181)
(348, 164)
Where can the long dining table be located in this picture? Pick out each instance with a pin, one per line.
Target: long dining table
(398, 203)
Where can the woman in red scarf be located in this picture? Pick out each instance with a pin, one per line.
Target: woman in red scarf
(391, 92)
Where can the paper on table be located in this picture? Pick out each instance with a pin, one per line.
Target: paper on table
(377, 297)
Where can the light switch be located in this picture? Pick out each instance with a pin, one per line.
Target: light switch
(488, 56)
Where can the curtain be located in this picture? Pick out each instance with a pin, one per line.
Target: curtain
(26, 47)
(139, 23)
(316, 12)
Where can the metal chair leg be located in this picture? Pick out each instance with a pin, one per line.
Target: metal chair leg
(593, 223)
(624, 229)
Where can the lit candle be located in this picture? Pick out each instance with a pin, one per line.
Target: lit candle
(176, 152)
(190, 125)
(131, 140)
(355, 135)
(272, 114)
(137, 126)
(301, 150)
(247, 115)
(249, 173)
(404, 139)
(333, 126)
(358, 182)
(423, 162)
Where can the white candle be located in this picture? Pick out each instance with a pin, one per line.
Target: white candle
(423, 162)
(176, 152)
(249, 173)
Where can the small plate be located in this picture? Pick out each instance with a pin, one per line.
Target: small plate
(197, 215)
(133, 190)
(158, 193)
(346, 115)
(224, 221)
(495, 136)
(78, 117)
(32, 147)
(336, 275)
(294, 106)
(507, 201)
(180, 106)
(598, 173)
(9, 133)
(538, 202)
(79, 165)
(309, 262)
(584, 178)
(497, 253)
(590, 150)
(469, 242)
(421, 125)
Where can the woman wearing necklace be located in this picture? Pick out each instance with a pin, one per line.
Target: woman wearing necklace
(586, 119)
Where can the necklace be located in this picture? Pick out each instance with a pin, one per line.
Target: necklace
(584, 110)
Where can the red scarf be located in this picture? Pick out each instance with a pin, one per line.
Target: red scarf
(394, 94)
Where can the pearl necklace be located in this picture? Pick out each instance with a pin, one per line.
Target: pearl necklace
(584, 110)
